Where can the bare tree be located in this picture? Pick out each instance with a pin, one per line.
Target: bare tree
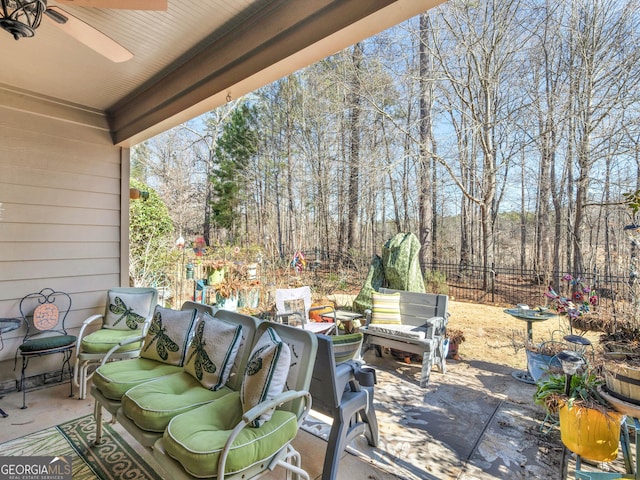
(477, 82)
(428, 148)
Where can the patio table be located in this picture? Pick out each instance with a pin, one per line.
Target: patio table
(530, 316)
(346, 317)
(7, 325)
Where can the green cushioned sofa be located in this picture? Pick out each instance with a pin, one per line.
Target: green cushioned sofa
(235, 428)
(112, 379)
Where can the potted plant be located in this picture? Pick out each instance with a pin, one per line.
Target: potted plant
(454, 337)
(589, 426)
(216, 270)
(542, 358)
(228, 289)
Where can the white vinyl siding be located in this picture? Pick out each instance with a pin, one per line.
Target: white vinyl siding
(60, 213)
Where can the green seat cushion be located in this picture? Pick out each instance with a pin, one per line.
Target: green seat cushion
(42, 344)
(153, 404)
(113, 379)
(196, 438)
(101, 341)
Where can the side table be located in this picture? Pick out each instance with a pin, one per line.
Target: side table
(7, 325)
(346, 318)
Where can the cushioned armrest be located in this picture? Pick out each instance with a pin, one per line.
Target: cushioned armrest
(120, 344)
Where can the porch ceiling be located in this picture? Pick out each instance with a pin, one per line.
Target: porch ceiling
(188, 59)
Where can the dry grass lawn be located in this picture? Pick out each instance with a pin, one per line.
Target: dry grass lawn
(494, 336)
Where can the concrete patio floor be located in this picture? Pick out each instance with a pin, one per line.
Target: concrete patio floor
(479, 423)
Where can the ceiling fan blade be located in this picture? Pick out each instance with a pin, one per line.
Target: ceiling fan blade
(88, 35)
(119, 4)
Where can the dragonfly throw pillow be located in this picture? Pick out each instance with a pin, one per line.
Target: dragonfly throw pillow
(127, 311)
(212, 351)
(168, 335)
(266, 373)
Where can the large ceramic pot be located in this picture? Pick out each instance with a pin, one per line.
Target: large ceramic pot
(592, 434)
(227, 303)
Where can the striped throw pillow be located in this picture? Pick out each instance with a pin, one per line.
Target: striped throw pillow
(346, 347)
(386, 308)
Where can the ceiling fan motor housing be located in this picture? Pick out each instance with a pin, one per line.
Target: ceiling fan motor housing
(21, 17)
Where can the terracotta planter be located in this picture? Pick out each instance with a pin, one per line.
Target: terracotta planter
(590, 433)
(453, 351)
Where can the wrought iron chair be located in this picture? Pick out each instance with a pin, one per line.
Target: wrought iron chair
(127, 315)
(44, 314)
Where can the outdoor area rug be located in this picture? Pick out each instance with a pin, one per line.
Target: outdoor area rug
(113, 459)
(475, 422)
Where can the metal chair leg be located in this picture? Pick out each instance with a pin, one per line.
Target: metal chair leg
(97, 413)
(67, 360)
(25, 361)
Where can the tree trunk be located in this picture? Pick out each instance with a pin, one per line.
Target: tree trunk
(354, 150)
(426, 144)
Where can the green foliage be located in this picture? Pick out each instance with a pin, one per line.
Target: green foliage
(139, 159)
(237, 144)
(151, 238)
(436, 282)
(338, 281)
(632, 200)
(583, 390)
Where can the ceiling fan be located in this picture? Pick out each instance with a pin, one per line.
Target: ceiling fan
(21, 18)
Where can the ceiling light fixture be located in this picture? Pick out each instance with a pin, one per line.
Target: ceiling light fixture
(21, 17)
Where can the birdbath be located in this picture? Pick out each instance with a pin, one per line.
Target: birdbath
(530, 316)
